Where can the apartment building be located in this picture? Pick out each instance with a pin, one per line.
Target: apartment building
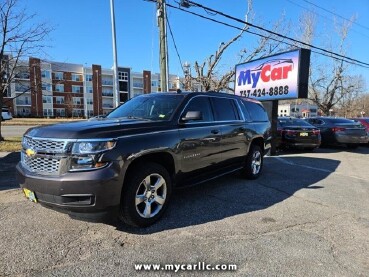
(56, 89)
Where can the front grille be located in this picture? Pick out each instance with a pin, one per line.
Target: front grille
(44, 165)
(46, 156)
(45, 145)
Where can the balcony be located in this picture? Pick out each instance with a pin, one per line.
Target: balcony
(107, 94)
(138, 85)
(22, 102)
(106, 82)
(23, 75)
(22, 89)
(108, 106)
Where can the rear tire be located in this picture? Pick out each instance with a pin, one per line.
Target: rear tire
(254, 163)
(145, 195)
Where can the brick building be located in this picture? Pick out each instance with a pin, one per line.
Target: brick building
(55, 89)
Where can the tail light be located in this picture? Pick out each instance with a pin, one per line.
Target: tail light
(290, 132)
(316, 132)
(338, 129)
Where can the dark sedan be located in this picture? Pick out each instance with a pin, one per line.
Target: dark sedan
(340, 131)
(297, 133)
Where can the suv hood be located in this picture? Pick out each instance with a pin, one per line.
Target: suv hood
(97, 128)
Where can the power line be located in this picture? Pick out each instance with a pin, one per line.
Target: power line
(174, 42)
(345, 58)
(264, 36)
(340, 16)
(305, 8)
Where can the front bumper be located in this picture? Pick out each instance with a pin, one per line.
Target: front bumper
(84, 192)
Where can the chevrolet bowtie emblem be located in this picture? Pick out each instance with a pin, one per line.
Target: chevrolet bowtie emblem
(30, 152)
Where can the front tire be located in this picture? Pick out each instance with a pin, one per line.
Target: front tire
(145, 195)
(254, 163)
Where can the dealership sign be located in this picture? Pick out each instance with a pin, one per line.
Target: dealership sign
(281, 76)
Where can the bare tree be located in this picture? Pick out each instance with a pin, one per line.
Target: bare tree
(331, 83)
(20, 37)
(206, 74)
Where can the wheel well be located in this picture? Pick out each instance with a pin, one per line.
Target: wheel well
(258, 141)
(164, 159)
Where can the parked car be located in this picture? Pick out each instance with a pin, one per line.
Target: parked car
(132, 159)
(297, 133)
(5, 114)
(340, 131)
(365, 122)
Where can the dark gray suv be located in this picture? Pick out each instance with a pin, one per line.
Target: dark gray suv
(132, 159)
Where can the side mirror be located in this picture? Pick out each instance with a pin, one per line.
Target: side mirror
(192, 115)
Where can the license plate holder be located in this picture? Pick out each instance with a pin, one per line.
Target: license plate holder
(30, 195)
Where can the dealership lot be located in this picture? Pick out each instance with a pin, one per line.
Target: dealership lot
(307, 215)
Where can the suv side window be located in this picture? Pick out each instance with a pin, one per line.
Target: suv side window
(225, 109)
(256, 111)
(201, 104)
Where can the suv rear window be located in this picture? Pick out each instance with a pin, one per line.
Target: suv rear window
(256, 111)
(224, 109)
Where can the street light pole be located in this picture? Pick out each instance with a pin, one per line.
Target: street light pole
(115, 55)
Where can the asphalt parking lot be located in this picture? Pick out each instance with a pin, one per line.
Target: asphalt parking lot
(307, 215)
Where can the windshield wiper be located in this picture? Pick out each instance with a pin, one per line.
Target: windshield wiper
(136, 117)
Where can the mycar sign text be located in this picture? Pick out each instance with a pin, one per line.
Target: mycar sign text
(281, 76)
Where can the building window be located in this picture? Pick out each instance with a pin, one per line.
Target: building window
(90, 113)
(48, 112)
(60, 112)
(46, 74)
(59, 88)
(59, 76)
(77, 89)
(123, 76)
(107, 82)
(77, 112)
(47, 99)
(59, 99)
(88, 77)
(76, 77)
(46, 87)
(89, 89)
(89, 101)
(77, 101)
(154, 83)
(107, 92)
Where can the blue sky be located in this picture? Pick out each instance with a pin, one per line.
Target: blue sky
(83, 32)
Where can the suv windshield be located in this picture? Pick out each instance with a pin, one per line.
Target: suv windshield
(151, 107)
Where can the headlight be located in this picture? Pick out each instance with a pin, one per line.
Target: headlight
(86, 155)
(92, 147)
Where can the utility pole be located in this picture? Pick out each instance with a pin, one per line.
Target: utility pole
(163, 62)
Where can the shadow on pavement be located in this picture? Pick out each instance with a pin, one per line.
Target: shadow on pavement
(7, 171)
(327, 149)
(222, 198)
(233, 195)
